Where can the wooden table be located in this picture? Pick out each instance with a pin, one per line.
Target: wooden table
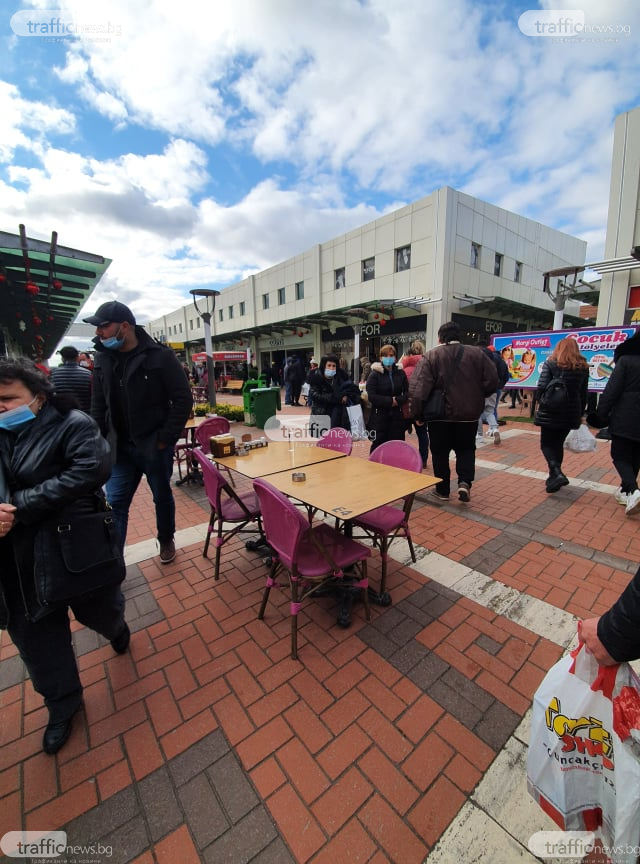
(349, 487)
(279, 456)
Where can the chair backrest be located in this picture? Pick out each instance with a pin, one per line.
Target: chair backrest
(209, 427)
(284, 525)
(399, 454)
(214, 481)
(337, 439)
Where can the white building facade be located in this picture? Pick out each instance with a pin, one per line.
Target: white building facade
(448, 256)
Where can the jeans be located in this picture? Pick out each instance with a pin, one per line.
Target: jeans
(131, 464)
(488, 414)
(625, 455)
(444, 437)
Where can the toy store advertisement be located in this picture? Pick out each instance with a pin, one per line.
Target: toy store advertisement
(524, 353)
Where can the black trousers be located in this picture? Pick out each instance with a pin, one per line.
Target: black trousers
(46, 649)
(552, 444)
(459, 437)
(625, 455)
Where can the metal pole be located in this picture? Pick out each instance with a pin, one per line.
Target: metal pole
(211, 377)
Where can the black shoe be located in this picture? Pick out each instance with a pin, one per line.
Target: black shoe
(167, 551)
(464, 492)
(56, 735)
(556, 479)
(121, 643)
(603, 435)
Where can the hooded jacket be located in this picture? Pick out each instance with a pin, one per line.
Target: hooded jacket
(155, 394)
(619, 405)
(57, 462)
(619, 628)
(465, 388)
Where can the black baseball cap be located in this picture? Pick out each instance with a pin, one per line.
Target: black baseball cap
(113, 311)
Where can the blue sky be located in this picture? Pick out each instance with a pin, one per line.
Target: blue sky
(209, 140)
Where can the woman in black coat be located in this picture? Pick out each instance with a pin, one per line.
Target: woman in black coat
(615, 636)
(619, 409)
(53, 462)
(331, 391)
(387, 390)
(558, 414)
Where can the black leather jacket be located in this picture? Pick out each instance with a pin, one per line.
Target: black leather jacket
(619, 405)
(619, 628)
(569, 414)
(57, 462)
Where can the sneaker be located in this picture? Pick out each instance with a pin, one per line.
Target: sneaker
(633, 502)
(464, 492)
(167, 551)
(121, 643)
(439, 495)
(621, 497)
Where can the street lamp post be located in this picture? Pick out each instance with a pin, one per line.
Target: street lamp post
(208, 297)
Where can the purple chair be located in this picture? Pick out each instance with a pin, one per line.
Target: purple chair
(209, 427)
(386, 523)
(337, 439)
(312, 555)
(226, 507)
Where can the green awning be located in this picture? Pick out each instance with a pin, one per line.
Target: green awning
(43, 286)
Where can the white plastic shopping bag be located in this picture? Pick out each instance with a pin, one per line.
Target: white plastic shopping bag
(356, 422)
(583, 764)
(580, 440)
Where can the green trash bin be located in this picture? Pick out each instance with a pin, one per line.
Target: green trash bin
(276, 391)
(264, 405)
(247, 402)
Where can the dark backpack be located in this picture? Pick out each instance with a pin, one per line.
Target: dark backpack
(555, 394)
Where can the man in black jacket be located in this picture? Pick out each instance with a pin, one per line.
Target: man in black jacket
(615, 636)
(73, 379)
(141, 400)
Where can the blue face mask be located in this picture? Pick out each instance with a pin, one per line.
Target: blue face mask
(113, 342)
(17, 417)
(329, 373)
(388, 361)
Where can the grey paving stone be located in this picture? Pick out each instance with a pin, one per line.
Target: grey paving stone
(86, 640)
(497, 725)
(405, 632)
(455, 703)
(104, 819)
(159, 803)
(391, 618)
(487, 644)
(426, 673)
(443, 591)
(416, 614)
(409, 656)
(198, 757)
(205, 816)
(126, 844)
(12, 672)
(439, 605)
(232, 787)
(478, 696)
(275, 853)
(419, 598)
(246, 840)
(378, 641)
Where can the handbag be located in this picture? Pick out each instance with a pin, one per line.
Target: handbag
(435, 406)
(75, 554)
(405, 408)
(583, 763)
(356, 422)
(580, 440)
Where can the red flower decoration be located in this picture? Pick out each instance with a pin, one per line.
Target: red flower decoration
(37, 321)
(31, 288)
(3, 278)
(383, 322)
(57, 284)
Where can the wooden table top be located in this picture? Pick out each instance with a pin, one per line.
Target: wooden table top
(349, 487)
(279, 456)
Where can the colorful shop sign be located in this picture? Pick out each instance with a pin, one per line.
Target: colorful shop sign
(524, 353)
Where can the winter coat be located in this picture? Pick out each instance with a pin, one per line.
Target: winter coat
(567, 415)
(58, 462)
(409, 363)
(156, 396)
(465, 389)
(382, 386)
(501, 367)
(619, 628)
(619, 404)
(326, 396)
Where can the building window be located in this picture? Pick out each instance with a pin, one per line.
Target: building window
(265, 301)
(190, 323)
(475, 255)
(220, 314)
(517, 273)
(340, 278)
(180, 326)
(497, 265)
(242, 308)
(403, 258)
(230, 312)
(299, 290)
(197, 323)
(281, 296)
(368, 269)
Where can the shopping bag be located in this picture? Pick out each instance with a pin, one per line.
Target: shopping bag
(583, 764)
(580, 440)
(356, 422)
(305, 389)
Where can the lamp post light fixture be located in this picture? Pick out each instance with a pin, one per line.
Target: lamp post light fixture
(208, 298)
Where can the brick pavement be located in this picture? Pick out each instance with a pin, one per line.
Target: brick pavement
(399, 740)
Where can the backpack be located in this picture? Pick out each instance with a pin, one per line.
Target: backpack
(555, 394)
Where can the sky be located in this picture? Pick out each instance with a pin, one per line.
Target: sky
(196, 143)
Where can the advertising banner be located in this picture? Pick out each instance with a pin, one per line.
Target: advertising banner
(524, 353)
